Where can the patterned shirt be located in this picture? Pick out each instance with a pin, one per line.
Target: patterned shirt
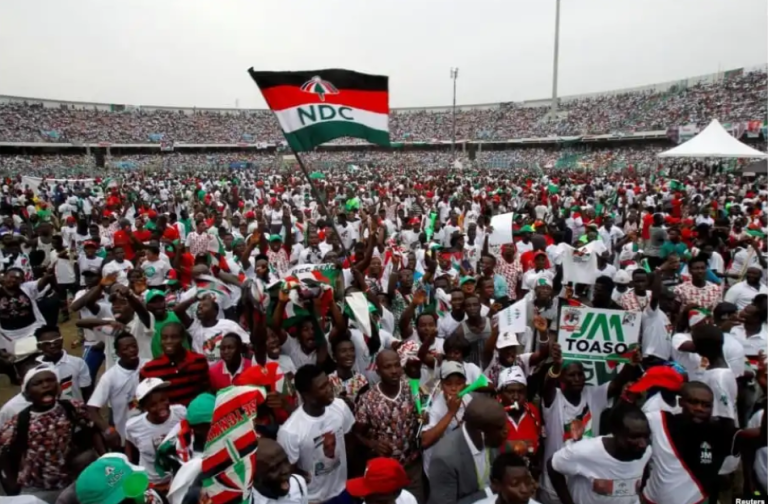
(631, 302)
(199, 243)
(279, 261)
(392, 419)
(705, 297)
(49, 442)
(351, 386)
(512, 272)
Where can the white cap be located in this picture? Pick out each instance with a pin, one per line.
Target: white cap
(36, 371)
(622, 277)
(512, 374)
(148, 385)
(447, 368)
(507, 339)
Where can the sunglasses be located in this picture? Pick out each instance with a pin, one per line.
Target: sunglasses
(51, 342)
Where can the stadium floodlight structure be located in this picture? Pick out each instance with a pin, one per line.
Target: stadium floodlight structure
(554, 64)
(454, 76)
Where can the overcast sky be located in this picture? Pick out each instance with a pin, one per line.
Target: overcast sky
(196, 52)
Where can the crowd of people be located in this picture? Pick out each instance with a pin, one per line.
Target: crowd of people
(391, 334)
(737, 97)
(637, 157)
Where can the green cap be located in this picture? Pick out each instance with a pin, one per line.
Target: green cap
(275, 237)
(200, 410)
(111, 480)
(756, 233)
(466, 279)
(526, 229)
(152, 293)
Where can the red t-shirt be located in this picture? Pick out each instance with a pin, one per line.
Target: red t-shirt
(677, 207)
(647, 222)
(185, 269)
(143, 236)
(523, 438)
(121, 239)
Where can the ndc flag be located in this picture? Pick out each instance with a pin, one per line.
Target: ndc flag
(317, 106)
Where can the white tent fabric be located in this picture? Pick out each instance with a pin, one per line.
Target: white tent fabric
(713, 142)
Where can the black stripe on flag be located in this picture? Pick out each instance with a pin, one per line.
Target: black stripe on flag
(341, 79)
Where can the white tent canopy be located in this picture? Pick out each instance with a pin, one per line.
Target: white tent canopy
(713, 142)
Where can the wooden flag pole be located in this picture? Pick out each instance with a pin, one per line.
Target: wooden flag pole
(320, 201)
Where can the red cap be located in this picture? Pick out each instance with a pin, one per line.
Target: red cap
(152, 214)
(71, 219)
(660, 377)
(260, 376)
(382, 476)
(250, 214)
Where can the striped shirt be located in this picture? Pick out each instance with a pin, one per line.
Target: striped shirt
(188, 378)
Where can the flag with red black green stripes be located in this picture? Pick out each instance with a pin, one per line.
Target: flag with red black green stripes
(317, 106)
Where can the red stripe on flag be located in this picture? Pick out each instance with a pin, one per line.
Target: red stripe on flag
(284, 97)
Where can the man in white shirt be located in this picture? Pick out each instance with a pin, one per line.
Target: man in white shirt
(273, 482)
(742, 293)
(313, 436)
(384, 482)
(605, 468)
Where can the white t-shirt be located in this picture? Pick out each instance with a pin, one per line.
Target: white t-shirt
(656, 333)
(297, 493)
(85, 264)
(436, 412)
(316, 445)
(446, 325)
(365, 363)
(595, 477)
(292, 349)
(733, 352)
(722, 381)
(760, 467)
(147, 437)
(142, 333)
(105, 311)
(155, 271)
(73, 375)
(207, 340)
(117, 387)
(63, 268)
(567, 423)
(122, 270)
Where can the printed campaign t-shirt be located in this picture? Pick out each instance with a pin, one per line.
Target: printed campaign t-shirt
(316, 445)
(147, 437)
(568, 423)
(686, 458)
(595, 477)
(207, 340)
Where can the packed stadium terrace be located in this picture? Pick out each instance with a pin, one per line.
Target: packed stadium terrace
(738, 96)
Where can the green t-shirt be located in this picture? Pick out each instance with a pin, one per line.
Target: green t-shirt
(668, 248)
(157, 349)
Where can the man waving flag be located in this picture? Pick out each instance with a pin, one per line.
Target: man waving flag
(316, 106)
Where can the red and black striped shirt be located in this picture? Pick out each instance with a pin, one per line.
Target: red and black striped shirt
(188, 377)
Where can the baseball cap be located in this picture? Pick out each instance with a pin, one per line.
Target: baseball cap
(147, 386)
(466, 279)
(153, 293)
(506, 339)
(36, 371)
(658, 376)
(512, 374)
(447, 368)
(111, 479)
(275, 237)
(621, 277)
(90, 244)
(383, 475)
